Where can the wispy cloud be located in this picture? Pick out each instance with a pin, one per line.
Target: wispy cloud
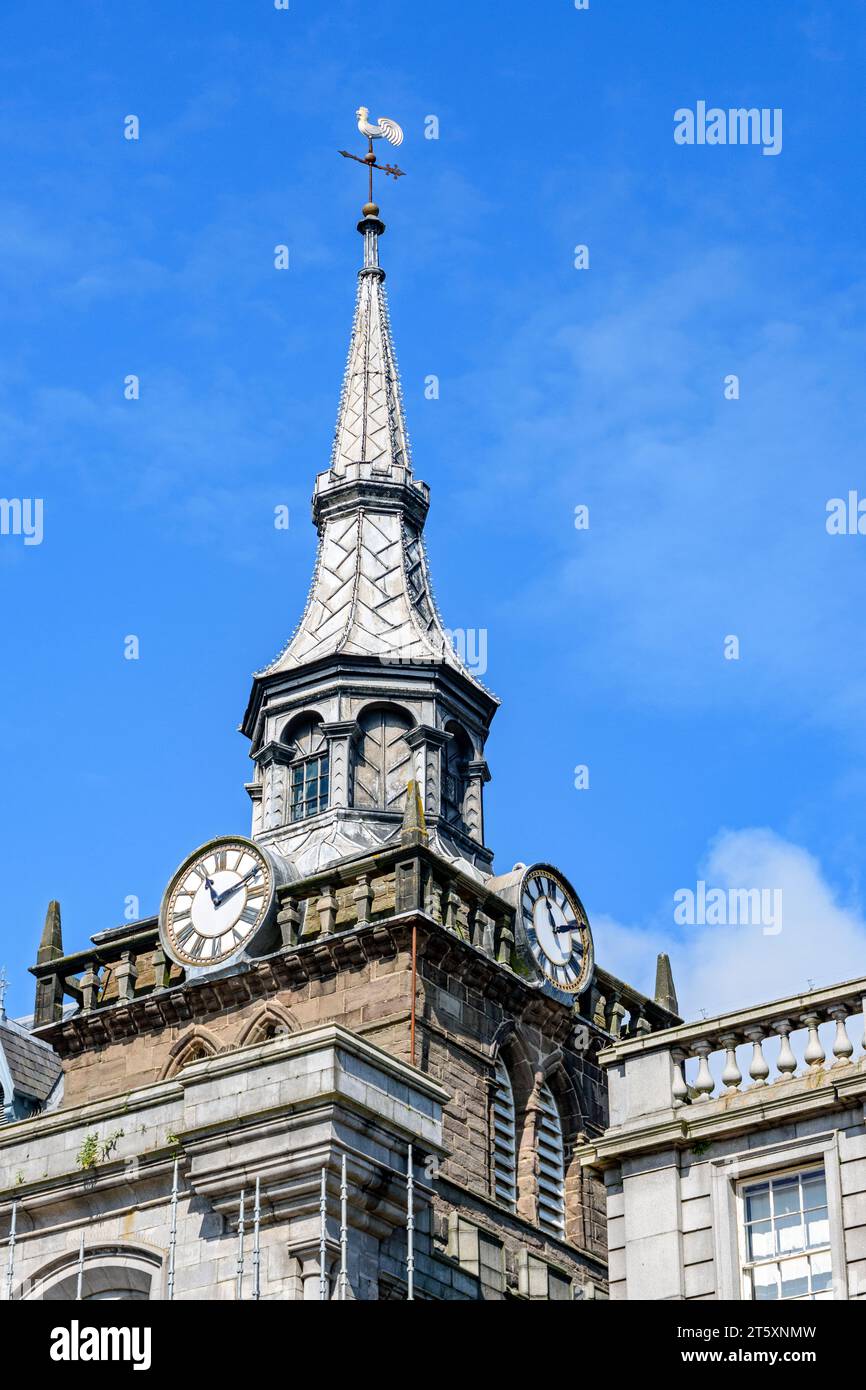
(716, 968)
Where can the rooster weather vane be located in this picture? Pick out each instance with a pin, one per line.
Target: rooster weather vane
(383, 129)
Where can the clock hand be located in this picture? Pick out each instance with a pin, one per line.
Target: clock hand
(208, 883)
(227, 892)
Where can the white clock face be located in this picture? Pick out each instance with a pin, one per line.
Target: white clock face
(216, 902)
(557, 929)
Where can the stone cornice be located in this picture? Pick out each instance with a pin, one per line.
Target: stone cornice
(733, 1115)
(317, 958)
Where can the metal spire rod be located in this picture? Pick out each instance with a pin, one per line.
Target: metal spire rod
(410, 1227)
(172, 1237)
(257, 1254)
(80, 1281)
(344, 1230)
(239, 1287)
(10, 1264)
(323, 1234)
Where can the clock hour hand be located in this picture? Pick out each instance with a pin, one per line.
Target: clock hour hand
(208, 883)
(227, 892)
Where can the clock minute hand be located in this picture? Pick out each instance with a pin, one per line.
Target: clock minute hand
(227, 893)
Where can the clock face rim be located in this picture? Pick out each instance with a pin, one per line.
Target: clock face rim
(539, 956)
(173, 891)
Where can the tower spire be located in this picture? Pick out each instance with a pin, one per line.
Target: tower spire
(371, 440)
(371, 594)
(369, 693)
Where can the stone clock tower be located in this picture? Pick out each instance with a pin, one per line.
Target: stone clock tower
(345, 1059)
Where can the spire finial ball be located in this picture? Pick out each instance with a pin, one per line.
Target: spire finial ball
(370, 209)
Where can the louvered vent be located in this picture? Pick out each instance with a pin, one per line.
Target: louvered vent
(504, 1140)
(551, 1167)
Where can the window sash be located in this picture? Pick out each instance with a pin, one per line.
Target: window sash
(805, 1270)
(310, 784)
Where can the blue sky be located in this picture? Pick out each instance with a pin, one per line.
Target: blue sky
(559, 387)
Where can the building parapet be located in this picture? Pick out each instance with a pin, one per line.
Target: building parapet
(736, 1072)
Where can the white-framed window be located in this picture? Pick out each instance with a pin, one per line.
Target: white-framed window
(785, 1236)
(504, 1139)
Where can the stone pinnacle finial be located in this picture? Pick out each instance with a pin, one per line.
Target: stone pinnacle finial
(665, 994)
(51, 945)
(414, 830)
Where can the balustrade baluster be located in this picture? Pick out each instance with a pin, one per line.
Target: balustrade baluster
(679, 1089)
(842, 1044)
(759, 1068)
(731, 1074)
(787, 1062)
(704, 1083)
(814, 1053)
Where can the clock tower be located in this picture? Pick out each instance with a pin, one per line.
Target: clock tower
(345, 1059)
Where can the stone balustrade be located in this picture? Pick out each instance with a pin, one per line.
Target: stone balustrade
(813, 1037)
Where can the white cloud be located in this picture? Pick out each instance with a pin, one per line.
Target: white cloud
(717, 968)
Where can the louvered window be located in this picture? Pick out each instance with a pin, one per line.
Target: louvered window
(551, 1166)
(504, 1140)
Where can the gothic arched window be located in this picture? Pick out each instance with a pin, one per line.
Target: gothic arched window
(383, 759)
(504, 1139)
(309, 772)
(551, 1165)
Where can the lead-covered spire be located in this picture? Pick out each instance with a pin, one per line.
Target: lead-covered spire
(371, 594)
(371, 438)
(369, 694)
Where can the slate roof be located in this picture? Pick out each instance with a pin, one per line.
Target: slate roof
(33, 1066)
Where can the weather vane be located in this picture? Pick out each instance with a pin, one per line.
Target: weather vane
(384, 129)
(4, 985)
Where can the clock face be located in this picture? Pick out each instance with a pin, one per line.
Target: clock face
(557, 929)
(216, 902)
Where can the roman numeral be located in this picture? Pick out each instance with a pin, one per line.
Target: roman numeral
(221, 856)
(197, 948)
(183, 927)
(250, 915)
(227, 941)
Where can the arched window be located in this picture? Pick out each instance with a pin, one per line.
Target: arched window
(458, 754)
(551, 1166)
(309, 773)
(504, 1139)
(192, 1046)
(383, 760)
(108, 1273)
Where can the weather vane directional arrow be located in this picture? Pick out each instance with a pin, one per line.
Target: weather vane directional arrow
(384, 129)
